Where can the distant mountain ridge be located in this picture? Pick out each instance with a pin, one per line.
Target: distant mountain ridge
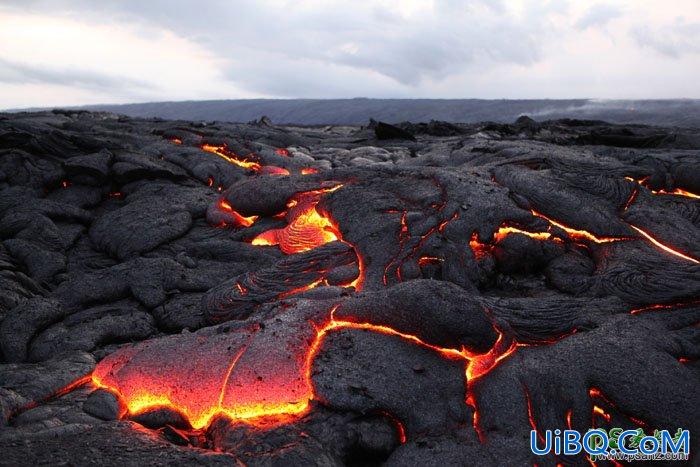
(680, 112)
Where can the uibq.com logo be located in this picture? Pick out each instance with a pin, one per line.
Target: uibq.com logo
(613, 444)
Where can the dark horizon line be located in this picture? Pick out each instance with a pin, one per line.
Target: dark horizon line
(254, 99)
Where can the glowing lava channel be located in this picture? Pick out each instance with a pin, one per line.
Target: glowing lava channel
(283, 396)
(481, 249)
(677, 191)
(228, 156)
(579, 234)
(307, 229)
(240, 220)
(223, 152)
(585, 235)
(664, 247)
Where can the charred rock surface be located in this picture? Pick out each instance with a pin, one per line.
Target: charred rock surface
(180, 292)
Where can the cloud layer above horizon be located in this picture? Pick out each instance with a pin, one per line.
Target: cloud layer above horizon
(61, 52)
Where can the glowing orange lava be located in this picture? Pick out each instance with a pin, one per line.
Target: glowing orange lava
(397, 423)
(504, 231)
(578, 234)
(471, 402)
(273, 170)
(241, 221)
(530, 413)
(426, 260)
(223, 152)
(631, 199)
(595, 393)
(664, 306)
(677, 191)
(600, 412)
(664, 247)
(482, 249)
(200, 387)
(307, 228)
(480, 364)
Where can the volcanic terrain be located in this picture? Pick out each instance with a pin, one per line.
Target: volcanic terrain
(178, 292)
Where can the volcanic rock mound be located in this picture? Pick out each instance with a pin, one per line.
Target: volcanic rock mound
(177, 292)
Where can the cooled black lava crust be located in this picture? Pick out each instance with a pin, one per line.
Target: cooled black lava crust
(420, 294)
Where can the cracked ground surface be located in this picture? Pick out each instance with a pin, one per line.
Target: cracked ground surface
(210, 293)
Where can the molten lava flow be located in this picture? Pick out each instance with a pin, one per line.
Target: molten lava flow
(309, 171)
(579, 234)
(241, 221)
(477, 364)
(471, 402)
(273, 170)
(600, 412)
(304, 288)
(400, 429)
(530, 413)
(426, 260)
(342, 324)
(482, 249)
(58, 393)
(631, 199)
(403, 238)
(227, 155)
(677, 191)
(505, 230)
(201, 387)
(244, 387)
(443, 224)
(480, 364)
(596, 393)
(282, 152)
(241, 289)
(661, 306)
(307, 228)
(664, 247)
(175, 140)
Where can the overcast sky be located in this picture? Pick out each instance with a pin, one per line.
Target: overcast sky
(60, 52)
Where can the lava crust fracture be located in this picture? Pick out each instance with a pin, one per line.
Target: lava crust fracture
(180, 292)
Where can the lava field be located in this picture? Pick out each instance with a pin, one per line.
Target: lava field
(424, 294)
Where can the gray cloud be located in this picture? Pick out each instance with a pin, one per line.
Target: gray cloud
(353, 36)
(479, 48)
(672, 41)
(598, 15)
(12, 72)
